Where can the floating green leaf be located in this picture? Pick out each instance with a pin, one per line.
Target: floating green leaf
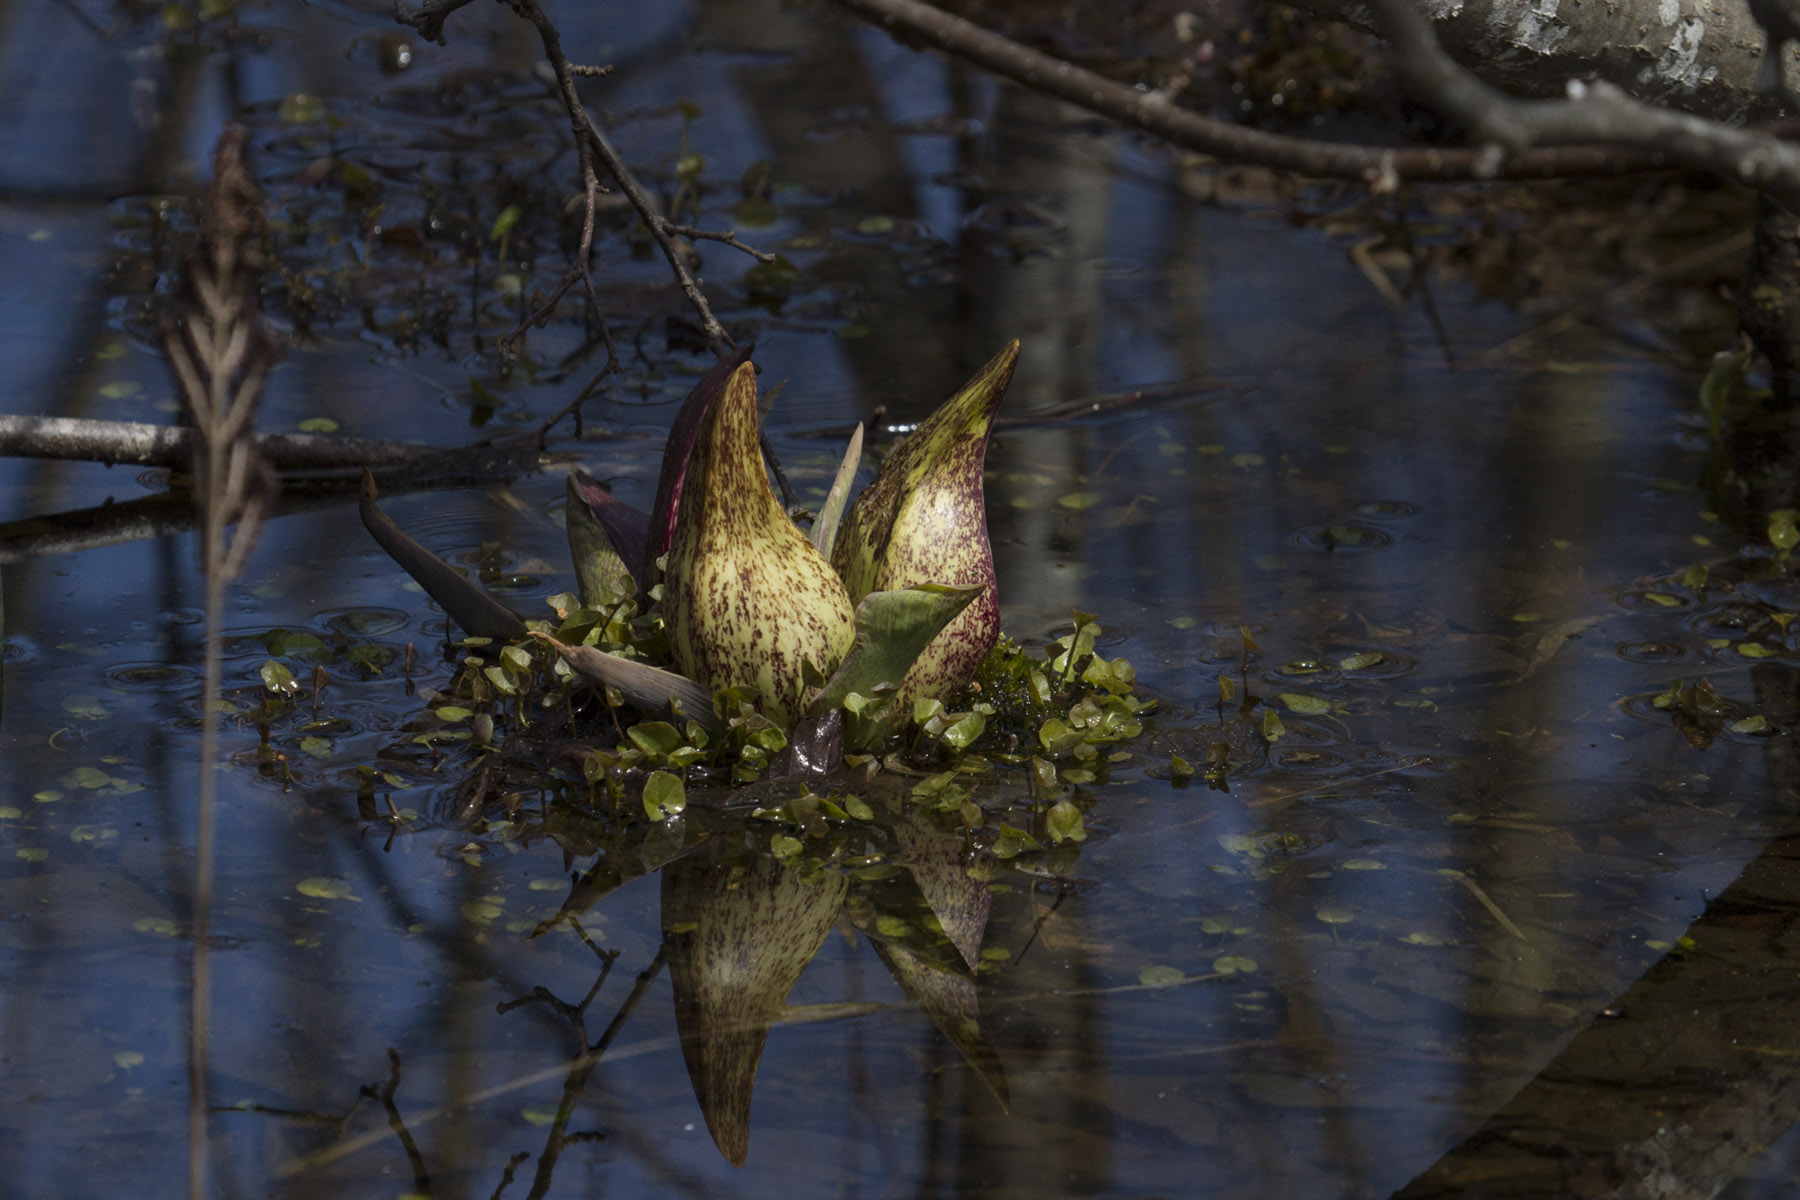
(1063, 823)
(664, 795)
(1304, 704)
(325, 887)
(1161, 976)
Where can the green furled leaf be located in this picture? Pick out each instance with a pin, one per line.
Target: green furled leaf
(600, 571)
(664, 795)
(1724, 377)
(892, 629)
(1059, 737)
(645, 686)
(831, 513)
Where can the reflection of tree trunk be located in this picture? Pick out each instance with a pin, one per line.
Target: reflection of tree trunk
(1693, 1072)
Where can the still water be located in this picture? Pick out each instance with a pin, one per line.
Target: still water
(1483, 920)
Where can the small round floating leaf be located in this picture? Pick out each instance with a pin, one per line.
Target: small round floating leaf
(83, 707)
(127, 1059)
(664, 795)
(1418, 938)
(318, 425)
(1335, 916)
(451, 713)
(325, 887)
(1359, 662)
(1364, 864)
(1058, 737)
(1756, 650)
(784, 847)
(1752, 724)
(88, 778)
(658, 739)
(32, 854)
(964, 731)
(540, 1114)
(1305, 705)
(161, 925)
(1783, 533)
(10, 813)
(1080, 501)
(317, 747)
(482, 911)
(1064, 823)
(1663, 599)
(1161, 976)
(1233, 964)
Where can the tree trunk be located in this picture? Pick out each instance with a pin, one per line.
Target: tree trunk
(1692, 55)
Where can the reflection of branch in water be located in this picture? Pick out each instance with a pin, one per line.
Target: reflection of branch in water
(575, 1082)
(397, 1123)
(159, 515)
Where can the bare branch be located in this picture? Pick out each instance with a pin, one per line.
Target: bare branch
(728, 236)
(1604, 132)
(136, 444)
(429, 17)
(586, 130)
(1598, 113)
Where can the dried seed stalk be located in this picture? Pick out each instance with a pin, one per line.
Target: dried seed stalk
(220, 353)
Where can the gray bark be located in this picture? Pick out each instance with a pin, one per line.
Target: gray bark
(1694, 55)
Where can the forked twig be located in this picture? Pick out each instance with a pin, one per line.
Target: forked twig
(397, 1123)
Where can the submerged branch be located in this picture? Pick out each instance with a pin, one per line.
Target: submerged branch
(121, 443)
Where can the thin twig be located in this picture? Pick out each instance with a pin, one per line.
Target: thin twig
(728, 236)
(584, 127)
(397, 1123)
(506, 1176)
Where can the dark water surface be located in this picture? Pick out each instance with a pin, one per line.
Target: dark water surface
(1431, 940)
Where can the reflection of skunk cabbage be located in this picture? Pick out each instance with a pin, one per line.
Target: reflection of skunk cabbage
(904, 600)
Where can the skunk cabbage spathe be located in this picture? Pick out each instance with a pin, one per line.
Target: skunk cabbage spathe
(747, 599)
(924, 521)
